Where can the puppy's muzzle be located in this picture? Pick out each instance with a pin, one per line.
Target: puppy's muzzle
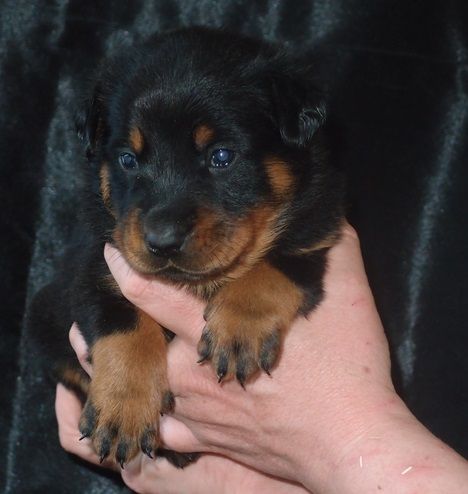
(165, 234)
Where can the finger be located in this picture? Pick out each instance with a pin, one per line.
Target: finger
(68, 411)
(158, 475)
(210, 473)
(81, 348)
(176, 436)
(186, 376)
(172, 307)
(346, 255)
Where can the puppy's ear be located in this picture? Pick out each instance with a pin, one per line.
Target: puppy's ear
(90, 123)
(300, 110)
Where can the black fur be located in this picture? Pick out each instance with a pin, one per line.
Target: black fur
(259, 102)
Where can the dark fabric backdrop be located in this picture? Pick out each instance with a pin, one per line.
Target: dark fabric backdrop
(396, 72)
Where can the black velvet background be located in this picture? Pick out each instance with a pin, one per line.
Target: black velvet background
(396, 72)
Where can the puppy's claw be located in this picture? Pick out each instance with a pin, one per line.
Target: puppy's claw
(121, 454)
(269, 351)
(222, 368)
(265, 366)
(87, 424)
(148, 442)
(148, 453)
(240, 376)
(105, 447)
(205, 345)
(168, 403)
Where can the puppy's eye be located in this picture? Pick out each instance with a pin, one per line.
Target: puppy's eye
(128, 161)
(221, 158)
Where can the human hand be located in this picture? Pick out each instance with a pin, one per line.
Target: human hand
(332, 381)
(210, 474)
(328, 414)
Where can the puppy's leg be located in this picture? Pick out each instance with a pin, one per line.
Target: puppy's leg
(74, 378)
(128, 391)
(246, 318)
(134, 401)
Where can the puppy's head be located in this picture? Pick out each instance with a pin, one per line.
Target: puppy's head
(201, 141)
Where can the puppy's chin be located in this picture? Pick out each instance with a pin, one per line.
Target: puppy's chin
(146, 264)
(180, 269)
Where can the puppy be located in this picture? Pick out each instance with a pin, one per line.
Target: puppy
(206, 168)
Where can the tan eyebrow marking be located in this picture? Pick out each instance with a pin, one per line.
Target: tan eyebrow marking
(136, 139)
(202, 135)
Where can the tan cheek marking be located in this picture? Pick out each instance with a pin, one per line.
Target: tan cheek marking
(128, 237)
(281, 179)
(104, 175)
(136, 140)
(252, 238)
(264, 229)
(206, 229)
(202, 136)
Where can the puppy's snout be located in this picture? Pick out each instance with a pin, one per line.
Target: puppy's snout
(165, 237)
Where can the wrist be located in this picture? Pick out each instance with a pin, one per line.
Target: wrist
(323, 453)
(397, 454)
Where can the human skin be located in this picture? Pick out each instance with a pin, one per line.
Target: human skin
(328, 418)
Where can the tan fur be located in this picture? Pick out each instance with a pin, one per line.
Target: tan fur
(251, 308)
(74, 379)
(220, 248)
(129, 381)
(136, 140)
(232, 246)
(104, 175)
(128, 237)
(326, 243)
(261, 228)
(281, 179)
(202, 136)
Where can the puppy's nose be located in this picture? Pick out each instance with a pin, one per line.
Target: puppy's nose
(165, 239)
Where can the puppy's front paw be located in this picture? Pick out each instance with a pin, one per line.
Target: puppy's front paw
(121, 420)
(128, 392)
(245, 320)
(239, 342)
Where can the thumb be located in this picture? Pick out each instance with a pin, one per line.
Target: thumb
(172, 307)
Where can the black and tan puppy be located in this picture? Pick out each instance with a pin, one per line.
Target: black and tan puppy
(206, 169)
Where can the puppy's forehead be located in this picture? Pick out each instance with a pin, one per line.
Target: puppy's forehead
(158, 109)
(171, 117)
